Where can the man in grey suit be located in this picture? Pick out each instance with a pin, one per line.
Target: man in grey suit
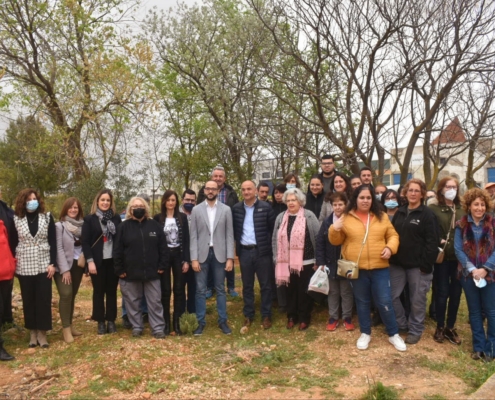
(211, 248)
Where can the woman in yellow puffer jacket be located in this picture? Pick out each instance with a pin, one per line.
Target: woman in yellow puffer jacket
(364, 213)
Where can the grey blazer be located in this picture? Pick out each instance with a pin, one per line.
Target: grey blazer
(223, 233)
(65, 248)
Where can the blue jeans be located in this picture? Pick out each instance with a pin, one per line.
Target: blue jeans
(374, 283)
(447, 287)
(479, 300)
(218, 271)
(252, 264)
(230, 276)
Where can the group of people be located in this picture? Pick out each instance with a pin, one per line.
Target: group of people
(400, 244)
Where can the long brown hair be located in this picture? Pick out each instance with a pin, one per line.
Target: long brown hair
(94, 206)
(441, 186)
(169, 193)
(21, 199)
(67, 205)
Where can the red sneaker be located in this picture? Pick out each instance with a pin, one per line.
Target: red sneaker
(348, 325)
(332, 324)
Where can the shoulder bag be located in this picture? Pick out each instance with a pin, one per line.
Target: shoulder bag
(350, 269)
(441, 250)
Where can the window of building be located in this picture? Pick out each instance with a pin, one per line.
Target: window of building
(397, 178)
(491, 174)
(265, 175)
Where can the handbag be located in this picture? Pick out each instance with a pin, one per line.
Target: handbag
(350, 269)
(81, 261)
(441, 250)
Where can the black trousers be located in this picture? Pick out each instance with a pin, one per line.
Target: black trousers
(299, 303)
(178, 287)
(105, 284)
(36, 293)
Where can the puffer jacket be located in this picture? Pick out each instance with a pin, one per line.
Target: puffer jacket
(444, 218)
(381, 234)
(7, 260)
(263, 220)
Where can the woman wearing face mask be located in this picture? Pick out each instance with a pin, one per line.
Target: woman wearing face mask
(447, 208)
(140, 258)
(36, 255)
(315, 195)
(176, 228)
(98, 232)
(339, 184)
(292, 181)
(390, 201)
(69, 274)
(475, 249)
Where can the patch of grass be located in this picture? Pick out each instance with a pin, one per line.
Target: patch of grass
(98, 387)
(127, 385)
(154, 387)
(378, 391)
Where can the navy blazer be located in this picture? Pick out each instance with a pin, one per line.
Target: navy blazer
(91, 232)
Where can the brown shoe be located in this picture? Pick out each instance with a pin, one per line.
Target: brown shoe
(452, 336)
(439, 336)
(303, 326)
(247, 322)
(267, 323)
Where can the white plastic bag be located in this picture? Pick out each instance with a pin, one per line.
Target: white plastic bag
(319, 281)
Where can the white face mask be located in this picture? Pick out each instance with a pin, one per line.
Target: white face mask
(450, 194)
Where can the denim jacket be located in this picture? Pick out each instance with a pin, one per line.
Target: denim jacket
(467, 265)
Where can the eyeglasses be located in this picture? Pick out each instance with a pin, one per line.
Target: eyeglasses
(413, 191)
(391, 198)
(209, 189)
(450, 187)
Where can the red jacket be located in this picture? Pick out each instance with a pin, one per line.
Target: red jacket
(7, 260)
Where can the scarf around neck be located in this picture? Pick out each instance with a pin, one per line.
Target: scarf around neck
(290, 252)
(73, 225)
(106, 220)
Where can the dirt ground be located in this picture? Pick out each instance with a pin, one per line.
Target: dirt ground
(426, 370)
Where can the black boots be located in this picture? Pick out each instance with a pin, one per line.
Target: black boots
(177, 330)
(4, 356)
(102, 328)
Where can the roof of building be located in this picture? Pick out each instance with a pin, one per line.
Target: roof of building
(452, 133)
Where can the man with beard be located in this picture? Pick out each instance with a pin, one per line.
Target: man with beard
(211, 248)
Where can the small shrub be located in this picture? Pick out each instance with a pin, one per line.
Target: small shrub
(188, 323)
(378, 391)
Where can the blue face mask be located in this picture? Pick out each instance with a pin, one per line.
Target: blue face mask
(188, 206)
(391, 204)
(291, 186)
(32, 205)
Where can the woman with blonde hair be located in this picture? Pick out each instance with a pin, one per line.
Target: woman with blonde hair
(140, 257)
(69, 273)
(98, 232)
(36, 256)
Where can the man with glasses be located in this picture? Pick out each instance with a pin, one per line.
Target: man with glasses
(327, 171)
(227, 196)
(212, 248)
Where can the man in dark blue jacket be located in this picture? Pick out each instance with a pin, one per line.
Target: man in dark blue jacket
(253, 227)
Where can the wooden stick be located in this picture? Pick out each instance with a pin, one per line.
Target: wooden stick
(43, 384)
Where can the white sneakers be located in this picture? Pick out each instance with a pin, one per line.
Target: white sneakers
(397, 342)
(364, 341)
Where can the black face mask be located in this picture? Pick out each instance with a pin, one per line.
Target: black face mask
(138, 213)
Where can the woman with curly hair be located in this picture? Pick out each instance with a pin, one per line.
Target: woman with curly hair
(36, 256)
(474, 245)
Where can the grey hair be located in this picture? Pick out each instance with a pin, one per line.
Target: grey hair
(218, 168)
(300, 196)
(128, 214)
